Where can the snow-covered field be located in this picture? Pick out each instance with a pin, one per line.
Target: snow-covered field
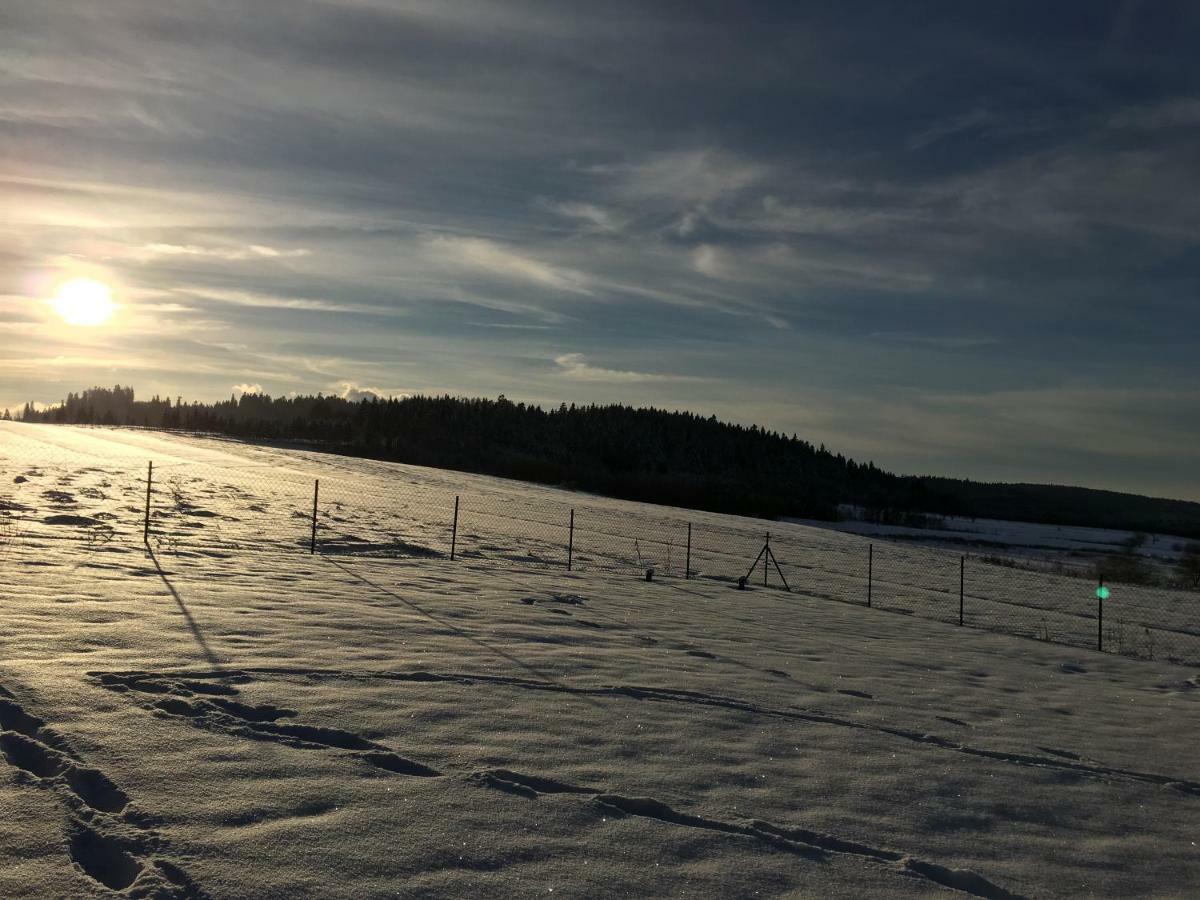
(1070, 547)
(229, 716)
(213, 498)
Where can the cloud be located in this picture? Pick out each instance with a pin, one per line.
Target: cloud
(352, 391)
(950, 127)
(271, 252)
(240, 389)
(256, 299)
(686, 177)
(484, 255)
(1176, 112)
(597, 219)
(707, 260)
(253, 251)
(948, 341)
(576, 367)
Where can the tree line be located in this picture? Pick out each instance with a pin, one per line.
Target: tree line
(653, 455)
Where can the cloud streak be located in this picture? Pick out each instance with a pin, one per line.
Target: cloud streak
(575, 367)
(482, 255)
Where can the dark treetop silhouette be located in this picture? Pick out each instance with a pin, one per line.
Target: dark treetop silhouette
(653, 455)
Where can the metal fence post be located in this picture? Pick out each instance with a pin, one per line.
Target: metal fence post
(870, 571)
(962, 579)
(146, 523)
(767, 549)
(1100, 616)
(312, 544)
(454, 529)
(687, 570)
(570, 540)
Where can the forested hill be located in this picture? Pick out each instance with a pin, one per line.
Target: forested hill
(677, 458)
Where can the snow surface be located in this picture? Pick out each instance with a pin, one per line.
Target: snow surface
(1073, 547)
(229, 716)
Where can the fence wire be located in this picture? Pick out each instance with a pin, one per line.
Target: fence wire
(190, 509)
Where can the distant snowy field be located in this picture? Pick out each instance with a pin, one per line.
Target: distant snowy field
(233, 717)
(1070, 545)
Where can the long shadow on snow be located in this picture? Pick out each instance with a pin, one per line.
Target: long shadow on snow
(504, 654)
(191, 622)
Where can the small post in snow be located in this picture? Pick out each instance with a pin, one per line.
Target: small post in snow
(570, 540)
(454, 529)
(687, 569)
(870, 571)
(312, 544)
(962, 580)
(146, 524)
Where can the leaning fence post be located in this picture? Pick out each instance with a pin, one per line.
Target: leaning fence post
(687, 569)
(870, 571)
(570, 540)
(962, 578)
(312, 544)
(454, 529)
(146, 524)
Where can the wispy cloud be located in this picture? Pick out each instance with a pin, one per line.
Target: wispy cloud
(576, 367)
(956, 342)
(590, 215)
(687, 177)
(488, 256)
(253, 251)
(1176, 112)
(255, 299)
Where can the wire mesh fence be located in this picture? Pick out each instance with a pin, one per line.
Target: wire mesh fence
(185, 508)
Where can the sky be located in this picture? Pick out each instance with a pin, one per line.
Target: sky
(952, 238)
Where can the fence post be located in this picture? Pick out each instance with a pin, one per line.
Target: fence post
(312, 544)
(1100, 616)
(870, 571)
(570, 540)
(687, 569)
(146, 524)
(962, 580)
(767, 548)
(454, 530)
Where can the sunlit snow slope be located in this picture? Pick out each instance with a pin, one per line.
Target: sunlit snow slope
(235, 717)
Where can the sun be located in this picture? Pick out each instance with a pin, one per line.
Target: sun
(84, 301)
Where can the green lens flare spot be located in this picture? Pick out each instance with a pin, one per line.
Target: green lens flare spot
(1102, 593)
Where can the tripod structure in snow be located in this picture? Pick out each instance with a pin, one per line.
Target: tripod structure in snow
(766, 554)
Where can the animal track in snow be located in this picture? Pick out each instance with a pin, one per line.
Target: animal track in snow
(176, 694)
(107, 841)
(566, 599)
(698, 698)
(178, 698)
(103, 858)
(797, 841)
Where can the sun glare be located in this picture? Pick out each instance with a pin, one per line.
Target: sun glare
(84, 301)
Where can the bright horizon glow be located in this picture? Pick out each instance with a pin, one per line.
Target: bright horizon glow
(84, 301)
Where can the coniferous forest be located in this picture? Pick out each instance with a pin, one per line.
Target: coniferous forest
(676, 458)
